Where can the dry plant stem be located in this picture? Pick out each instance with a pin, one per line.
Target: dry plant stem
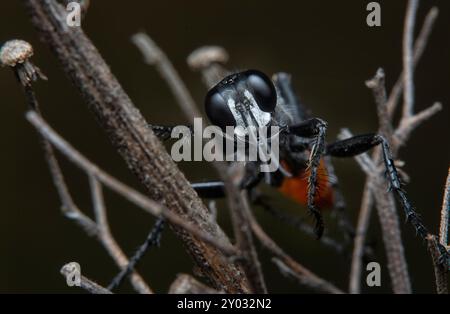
(386, 110)
(360, 239)
(238, 200)
(445, 214)
(419, 48)
(186, 284)
(128, 193)
(407, 125)
(377, 85)
(250, 262)
(86, 283)
(306, 277)
(72, 212)
(385, 113)
(440, 271)
(153, 55)
(408, 66)
(135, 142)
(386, 209)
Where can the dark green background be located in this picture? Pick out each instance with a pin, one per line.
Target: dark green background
(330, 52)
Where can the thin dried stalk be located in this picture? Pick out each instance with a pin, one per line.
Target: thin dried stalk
(365, 213)
(385, 204)
(305, 276)
(70, 210)
(128, 193)
(401, 134)
(154, 55)
(419, 48)
(408, 66)
(445, 214)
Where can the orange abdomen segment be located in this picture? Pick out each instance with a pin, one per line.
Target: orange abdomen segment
(296, 188)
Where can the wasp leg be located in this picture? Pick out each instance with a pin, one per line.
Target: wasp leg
(216, 189)
(153, 239)
(362, 143)
(210, 189)
(314, 128)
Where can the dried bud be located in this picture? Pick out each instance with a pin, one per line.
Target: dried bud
(16, 53)
(205, 56)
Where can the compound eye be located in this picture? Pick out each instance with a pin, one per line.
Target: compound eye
(218, 111)
(262, 89)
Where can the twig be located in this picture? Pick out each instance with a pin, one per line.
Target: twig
(307, 277)
(238, 200)
(445, 214)
(250, 262)
(408, 125)
(408, 66)
(297, 223)
(360, 238)
(397, 265)
(153, 55)
(209, 60)
(129, 133)
(386, 110)
(377, 85)
(85, 283)
(419, 48)
(70, 209)
(440, 270)
(186, 284)
(128, 193)
(152, 239)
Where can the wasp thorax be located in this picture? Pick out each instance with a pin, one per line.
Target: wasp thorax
(15, 52)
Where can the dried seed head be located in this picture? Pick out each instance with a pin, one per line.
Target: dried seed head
(15, 52)
(205, 56)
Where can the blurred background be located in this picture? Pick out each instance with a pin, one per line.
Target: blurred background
(325, 45)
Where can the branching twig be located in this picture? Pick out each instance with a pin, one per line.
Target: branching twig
(390, 226)
(307, 278)
(250, 262)
(69, 208)
(419, 48)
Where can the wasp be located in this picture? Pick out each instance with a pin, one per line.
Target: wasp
(251, 99)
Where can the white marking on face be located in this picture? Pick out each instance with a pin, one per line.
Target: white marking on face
(262, 117)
